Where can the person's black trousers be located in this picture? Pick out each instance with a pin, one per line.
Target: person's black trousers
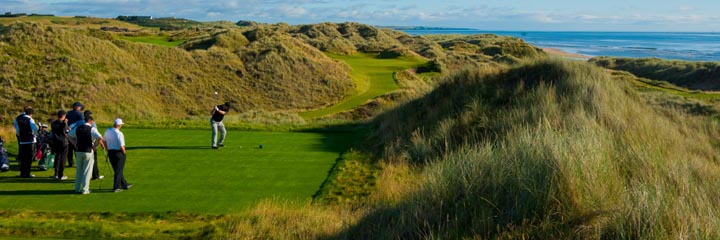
(25, 157)
(60, 156)
(71, 152)
(117, 159)
(95, 171)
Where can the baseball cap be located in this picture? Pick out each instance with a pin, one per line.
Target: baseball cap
(78, 104)
(118, 121)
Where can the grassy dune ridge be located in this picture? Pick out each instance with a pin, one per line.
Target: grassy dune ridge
(549, 149)
(51, 67)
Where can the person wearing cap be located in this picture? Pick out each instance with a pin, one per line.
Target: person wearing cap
(115, 142)
(86, 139)
(218, 113)
(73, 116)
(25, 130)
(59, 129)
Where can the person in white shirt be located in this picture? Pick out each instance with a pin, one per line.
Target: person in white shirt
(86, 139)
(115, 142)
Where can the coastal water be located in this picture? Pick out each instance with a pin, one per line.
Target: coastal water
(667, 45)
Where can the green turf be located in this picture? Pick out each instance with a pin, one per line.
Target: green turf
(176, 170)
(157, 40)
(372, 76)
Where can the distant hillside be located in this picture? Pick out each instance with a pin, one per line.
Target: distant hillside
(549, 149)
(50, 68)
(168, 24)
(423, 28)
(260, 67)
(692, 75)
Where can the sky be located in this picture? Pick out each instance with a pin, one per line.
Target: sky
(495, 15)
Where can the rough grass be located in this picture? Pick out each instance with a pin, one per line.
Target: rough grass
(372, 77)
(71, 22)
(49, 68)
(550, 149)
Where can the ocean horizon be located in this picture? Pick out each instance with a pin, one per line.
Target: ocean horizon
(689, 46)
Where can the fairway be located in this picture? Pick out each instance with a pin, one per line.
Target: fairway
(155, 39)
(176, 170)
(372, 76)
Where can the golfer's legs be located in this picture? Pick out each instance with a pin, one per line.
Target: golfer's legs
(117, 159)
(95, 171)
(60, 157)
(79, 166)
(221, 128)
(25, 157)
(84, 161)
(120, 170)
(214, 132)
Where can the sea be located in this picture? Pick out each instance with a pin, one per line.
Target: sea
(690, 46)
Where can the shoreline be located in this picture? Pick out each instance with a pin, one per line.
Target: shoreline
(561, 53)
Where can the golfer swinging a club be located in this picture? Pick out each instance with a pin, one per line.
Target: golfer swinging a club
(217, 125)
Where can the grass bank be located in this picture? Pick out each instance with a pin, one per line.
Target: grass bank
(549, 149)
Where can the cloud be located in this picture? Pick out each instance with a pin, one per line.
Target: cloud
(452, 13)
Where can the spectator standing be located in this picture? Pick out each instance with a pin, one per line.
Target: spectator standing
(25, 130)
(87, 139)
(115, 142)
(60, 143)
(73, 116)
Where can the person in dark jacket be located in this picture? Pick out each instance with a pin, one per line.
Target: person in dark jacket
(73, 116)
(25, 130)
(60, 144)
(218, 113)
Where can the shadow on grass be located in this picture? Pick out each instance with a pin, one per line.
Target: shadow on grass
(15, 179)
(167, 147)
(37, 192)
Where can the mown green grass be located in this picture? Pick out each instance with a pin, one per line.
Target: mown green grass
(176, 170)
(372, 76)
(155, 39)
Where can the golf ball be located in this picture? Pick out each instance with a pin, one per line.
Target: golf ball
(215, 92)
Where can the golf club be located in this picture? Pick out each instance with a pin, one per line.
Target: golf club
(107, 162)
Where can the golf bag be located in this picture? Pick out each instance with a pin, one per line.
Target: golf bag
(42, 148)
(48, 157)
(4, 162)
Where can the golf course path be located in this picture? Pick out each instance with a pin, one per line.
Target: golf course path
(372, 76)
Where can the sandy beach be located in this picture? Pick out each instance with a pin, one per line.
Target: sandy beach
(558, 52)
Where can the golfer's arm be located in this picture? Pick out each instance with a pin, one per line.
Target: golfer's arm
(100, 142)
(122, 149)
